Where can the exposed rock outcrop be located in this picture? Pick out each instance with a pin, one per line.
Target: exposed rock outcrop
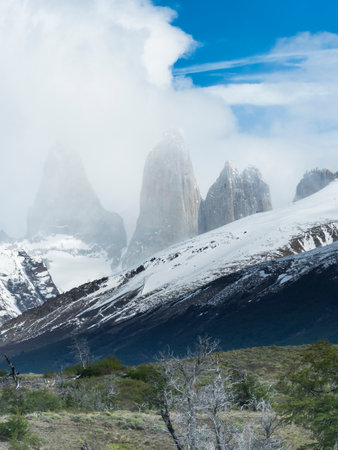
(234, 195)
(170, 200)
(67, 204)
(24, 282)
(312, 182)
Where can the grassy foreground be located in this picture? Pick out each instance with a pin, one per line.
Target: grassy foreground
(64, 413)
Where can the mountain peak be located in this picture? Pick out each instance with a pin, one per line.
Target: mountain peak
(169, 199)
(66, 203)
(313, 181)
(234, 195)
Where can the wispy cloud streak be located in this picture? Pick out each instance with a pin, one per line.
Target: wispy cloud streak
(286, 58)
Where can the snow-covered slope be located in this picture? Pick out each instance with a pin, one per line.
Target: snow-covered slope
(290, 300)
(184, 268)
(70, 261)
(24, 282)
(302, 226)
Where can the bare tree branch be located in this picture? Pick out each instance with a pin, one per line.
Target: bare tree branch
(13, 373)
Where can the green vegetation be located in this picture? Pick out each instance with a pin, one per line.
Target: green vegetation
(311, 393)
(28, 401)
(247, 389)
(16, 431)
(118, 407)
(105, 366)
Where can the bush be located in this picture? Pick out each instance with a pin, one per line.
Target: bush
(16, 430)
(13, 400)
(144, 372)
(90, 396)
(247, 390)
(105, 366)
(311, 393)
(3, 373)
(41, 400)
(135, 394)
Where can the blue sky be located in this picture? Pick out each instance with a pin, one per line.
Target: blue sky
(233, 29)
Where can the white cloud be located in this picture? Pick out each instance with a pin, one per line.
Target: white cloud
(268, 94)
(96, 75)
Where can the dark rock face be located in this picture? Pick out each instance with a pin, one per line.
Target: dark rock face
(24, 283)
(312, 182)
(67, 204)
(233, 196)
(170, 200)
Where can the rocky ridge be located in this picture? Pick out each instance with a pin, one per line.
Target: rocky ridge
(312, 182)
(234, 195)
(24, 282)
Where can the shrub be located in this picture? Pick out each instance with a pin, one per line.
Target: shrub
(13, 400)
(105, 366)
(41, 400)
(16, 430)
(310, 387)
(144, 372)
(93, 396)
(247, 390)
(134, 393)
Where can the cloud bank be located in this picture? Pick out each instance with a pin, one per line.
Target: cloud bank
(97, 76)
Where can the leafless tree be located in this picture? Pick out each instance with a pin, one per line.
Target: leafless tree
(195, 398)
(13, 373)
(80, 349)
(181, 391)
(269, 422)
(216, 398)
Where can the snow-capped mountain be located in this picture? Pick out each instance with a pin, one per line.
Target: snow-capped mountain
(24, 282)
(67, 226)
(239, 265)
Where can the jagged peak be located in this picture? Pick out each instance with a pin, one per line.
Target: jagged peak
(317, 170)
(252, 172)
(313, 180)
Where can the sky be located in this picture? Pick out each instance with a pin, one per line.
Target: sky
(251, 82)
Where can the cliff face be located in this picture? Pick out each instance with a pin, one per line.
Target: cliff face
(67, 204)
(170, 200)
(233, 196)
(312, 182)
(24, 282)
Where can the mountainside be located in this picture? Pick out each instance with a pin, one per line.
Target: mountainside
(245, 280)
(170, 200)
(24, 282)
(278, 302)
(70, 261)
(312, 182)
(233, 196)
(67, 204)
